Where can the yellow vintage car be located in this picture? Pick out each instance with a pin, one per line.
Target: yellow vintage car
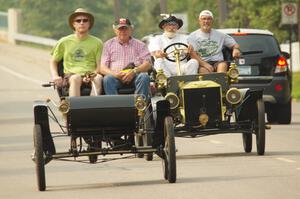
(208, 104)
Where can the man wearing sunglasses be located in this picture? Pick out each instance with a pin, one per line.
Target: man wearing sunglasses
(80, 53)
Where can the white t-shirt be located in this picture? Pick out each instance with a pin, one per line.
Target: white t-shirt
(160, 42)
(209, 45)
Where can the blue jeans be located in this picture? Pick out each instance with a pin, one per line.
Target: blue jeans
(141, 83)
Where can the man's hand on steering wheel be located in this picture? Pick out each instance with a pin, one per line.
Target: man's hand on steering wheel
(160, 54)
(173, 49)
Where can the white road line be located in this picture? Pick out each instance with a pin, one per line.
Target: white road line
(215, 141)
(19, 75)
(286, 160)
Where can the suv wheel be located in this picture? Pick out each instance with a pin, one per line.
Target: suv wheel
(280, 113)
(284, 113)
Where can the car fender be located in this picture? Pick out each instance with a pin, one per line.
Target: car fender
(161, 108)
(247, 108)
(40, 109)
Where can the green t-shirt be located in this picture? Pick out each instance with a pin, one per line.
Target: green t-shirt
(80, 56)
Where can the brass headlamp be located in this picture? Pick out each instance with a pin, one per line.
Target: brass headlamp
(233, 96)
(64, 107)
(233, 73)
(173, 100)
(140, 105)
(161, 79)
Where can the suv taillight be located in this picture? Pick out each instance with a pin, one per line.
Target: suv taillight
(281, 65)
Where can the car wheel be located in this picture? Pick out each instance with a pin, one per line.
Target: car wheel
(147, 136)
(39, 157)
(139, 142)
(284, 113)
(247, 142)
(92, 148)
(169, 159)
(271, 115)
(260, 130)
(280, 113)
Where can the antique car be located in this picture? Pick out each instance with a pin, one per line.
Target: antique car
(207, 104)
(103, 125)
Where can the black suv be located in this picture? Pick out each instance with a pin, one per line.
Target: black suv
(264, 66)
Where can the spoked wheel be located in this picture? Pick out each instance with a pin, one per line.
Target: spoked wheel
(147, 137)
(169, 157)
(247, 142)
(260, 130)
(39, 157)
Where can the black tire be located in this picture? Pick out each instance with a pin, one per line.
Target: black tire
(39, 157)
(147, 137)
(284, 113)
(92, 148)
(280, 113)
(169, 162)
(272, 115)
(260, 130)
(247, 142)
(139, 141)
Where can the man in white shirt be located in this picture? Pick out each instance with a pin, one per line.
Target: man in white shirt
(208, 43)
(170, 25)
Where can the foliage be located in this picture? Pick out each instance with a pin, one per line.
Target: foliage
(49, 18)
(296, 86)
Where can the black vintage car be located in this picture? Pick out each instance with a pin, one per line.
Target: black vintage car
(104, 125)
(207, 104)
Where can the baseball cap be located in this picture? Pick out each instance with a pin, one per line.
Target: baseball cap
(122, 22)
(206, 13)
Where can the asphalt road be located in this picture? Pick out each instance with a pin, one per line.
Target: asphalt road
(209, 167)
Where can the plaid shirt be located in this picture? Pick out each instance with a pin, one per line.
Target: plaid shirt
(117, 56)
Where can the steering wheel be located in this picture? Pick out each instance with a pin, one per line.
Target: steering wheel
(176, 48)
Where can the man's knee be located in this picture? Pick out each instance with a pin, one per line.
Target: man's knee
(143, 78)
(203, 70)
(194, 64)
(98, 79)
(76, 78)
(108, 78)
(222, 67)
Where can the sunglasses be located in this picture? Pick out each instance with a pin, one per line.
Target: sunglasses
(81, 20)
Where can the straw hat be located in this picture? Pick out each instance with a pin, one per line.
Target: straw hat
(81, 11)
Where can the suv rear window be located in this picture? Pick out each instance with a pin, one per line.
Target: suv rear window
(253, 44)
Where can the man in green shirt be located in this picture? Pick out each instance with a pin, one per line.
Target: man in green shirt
(80, 53)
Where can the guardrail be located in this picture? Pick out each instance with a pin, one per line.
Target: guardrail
(10, 26)
(34, 39)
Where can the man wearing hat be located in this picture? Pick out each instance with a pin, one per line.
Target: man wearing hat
(170, 26)
(125, 61)
(80, 53)
(209, 42)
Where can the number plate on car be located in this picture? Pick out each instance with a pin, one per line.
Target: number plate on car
(244, 70)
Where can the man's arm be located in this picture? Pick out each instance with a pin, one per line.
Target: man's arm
(144, 67)
(54, 73)
(201, 62)
(236, 50)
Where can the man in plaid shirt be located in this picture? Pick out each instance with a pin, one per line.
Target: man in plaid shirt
(125, 61)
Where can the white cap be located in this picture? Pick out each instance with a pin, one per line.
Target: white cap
(206, 13)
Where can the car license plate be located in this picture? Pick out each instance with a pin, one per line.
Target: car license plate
(244, 70)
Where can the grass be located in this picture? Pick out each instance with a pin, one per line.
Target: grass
(296, 86)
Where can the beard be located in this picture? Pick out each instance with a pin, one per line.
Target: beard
(170, 34)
